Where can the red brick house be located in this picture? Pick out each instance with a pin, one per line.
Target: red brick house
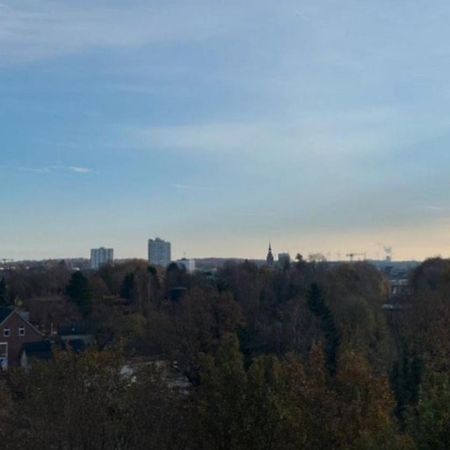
(15, 331)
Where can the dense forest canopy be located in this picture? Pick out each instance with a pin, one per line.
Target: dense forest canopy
(297, 357)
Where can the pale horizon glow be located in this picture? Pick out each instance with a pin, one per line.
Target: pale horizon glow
(319, 125)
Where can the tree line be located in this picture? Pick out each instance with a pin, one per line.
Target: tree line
(299, 357)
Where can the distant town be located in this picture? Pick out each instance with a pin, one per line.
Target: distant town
(159, 253)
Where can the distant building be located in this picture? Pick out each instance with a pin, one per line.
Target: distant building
(284, 259)
(101, 256)
(187, 264)
(270, 258)
(159, 252)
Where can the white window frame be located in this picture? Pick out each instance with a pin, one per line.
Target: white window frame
(4, 357)
(6, 332)
(21, 331)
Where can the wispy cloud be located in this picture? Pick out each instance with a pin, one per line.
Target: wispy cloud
(48, 169)
(31, 31)
(190, 187)
(186, 187)
(436, 208)
(78, 169)
(353, 134)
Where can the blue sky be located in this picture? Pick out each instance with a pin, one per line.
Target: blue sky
(321, 125)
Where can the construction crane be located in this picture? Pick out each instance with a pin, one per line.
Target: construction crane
(352, 255)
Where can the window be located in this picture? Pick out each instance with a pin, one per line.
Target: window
(6, 332)
(22, 331)
(3, 355)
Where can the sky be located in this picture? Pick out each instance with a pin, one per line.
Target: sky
(320, 125)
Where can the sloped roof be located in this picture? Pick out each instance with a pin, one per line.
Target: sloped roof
(38, 350)
(4, 313)
(78, 328)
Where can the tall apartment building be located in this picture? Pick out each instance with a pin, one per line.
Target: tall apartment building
(159, 252)
(101, 256)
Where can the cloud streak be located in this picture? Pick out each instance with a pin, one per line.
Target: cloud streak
(352, 136)
(32, 31)
(78, 169)
(48, 169)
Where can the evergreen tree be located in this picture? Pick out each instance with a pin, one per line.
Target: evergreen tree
(4, 298)
(320, 309)
(79, 292)
(127, 288)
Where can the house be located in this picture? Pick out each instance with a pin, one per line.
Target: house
(35, 351)
(77, 336)
(15, 331)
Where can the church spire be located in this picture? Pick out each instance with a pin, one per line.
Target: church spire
(270, 258)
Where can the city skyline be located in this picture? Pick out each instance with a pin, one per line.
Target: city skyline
(319, 125)
(102, 255)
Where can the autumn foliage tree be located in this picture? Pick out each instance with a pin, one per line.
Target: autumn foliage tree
(298, 357)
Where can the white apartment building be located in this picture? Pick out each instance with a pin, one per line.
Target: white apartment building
(159, 252)
(101, 256)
